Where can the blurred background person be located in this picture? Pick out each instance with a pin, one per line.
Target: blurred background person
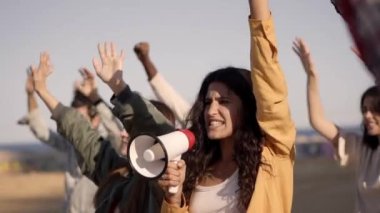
(361, 151)
(363, 21)
(161, 88)
(79, 190)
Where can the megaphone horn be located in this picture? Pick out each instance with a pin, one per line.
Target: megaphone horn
(149, 155)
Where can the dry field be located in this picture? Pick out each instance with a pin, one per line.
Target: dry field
(32, 192)
(320, 186)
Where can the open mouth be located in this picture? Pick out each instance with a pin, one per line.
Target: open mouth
(215, 124)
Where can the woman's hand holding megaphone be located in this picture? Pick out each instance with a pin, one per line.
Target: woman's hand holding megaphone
(173, 176)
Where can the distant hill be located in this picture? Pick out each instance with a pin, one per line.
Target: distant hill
(310, 131)
(310, 144)
(308, 135)
(37, 156)
(36, 147)
(25, 157)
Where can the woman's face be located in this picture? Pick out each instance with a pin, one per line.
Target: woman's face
(371, 118)
(222, 111)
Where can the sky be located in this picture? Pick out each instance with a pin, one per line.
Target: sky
(188, 39)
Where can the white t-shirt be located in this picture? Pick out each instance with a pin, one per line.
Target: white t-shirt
(219, 198)
(352, 151)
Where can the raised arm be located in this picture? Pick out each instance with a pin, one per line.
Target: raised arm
(137, 114)
(40, 75)
(270, 88)
(142, 52)
(34, 119)
(46, 135)
(87, 86)
(36, 123)
(95, 156)
(161, 88)
(30, 92)
(259, 9)
(317, 118)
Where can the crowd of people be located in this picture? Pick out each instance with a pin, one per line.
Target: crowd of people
(244, 154)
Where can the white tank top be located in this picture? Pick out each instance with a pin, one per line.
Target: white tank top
(219, 198)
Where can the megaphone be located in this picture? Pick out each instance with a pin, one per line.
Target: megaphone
(149, 155)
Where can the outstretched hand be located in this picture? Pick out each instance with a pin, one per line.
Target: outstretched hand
(142, 50)
(109, 67)
(303, 52)
(41, 73)
(87, 86)
(110, 62)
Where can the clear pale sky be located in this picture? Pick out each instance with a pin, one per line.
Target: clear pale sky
(188, 39)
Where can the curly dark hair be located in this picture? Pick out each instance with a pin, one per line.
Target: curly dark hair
(248, 138)
(373, 93)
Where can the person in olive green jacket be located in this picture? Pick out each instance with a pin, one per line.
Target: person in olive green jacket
(96, 157)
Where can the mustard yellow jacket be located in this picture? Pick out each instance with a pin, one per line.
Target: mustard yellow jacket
(274, 183)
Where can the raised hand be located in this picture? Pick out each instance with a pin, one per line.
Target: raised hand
(29, 87)
(41, 73)
(31, 99)
(87, 86)
(142, 50)
(109, 67)
(303, 52)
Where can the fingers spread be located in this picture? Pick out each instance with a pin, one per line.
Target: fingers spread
(78, 85)
(97, 65)
(112, 50)
(86, 73)
(122, 55)
(101, 49)
(107, 47)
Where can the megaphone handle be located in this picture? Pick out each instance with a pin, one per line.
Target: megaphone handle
(174, 189)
